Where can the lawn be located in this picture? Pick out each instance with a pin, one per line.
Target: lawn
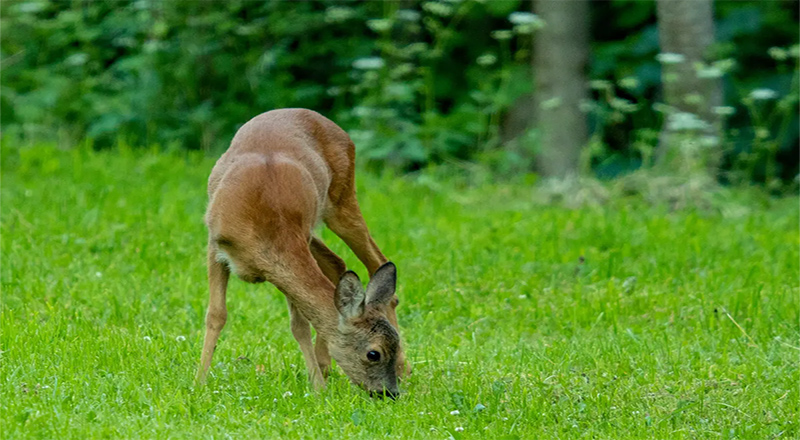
(523, 320)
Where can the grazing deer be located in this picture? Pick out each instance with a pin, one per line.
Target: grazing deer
(285, 171)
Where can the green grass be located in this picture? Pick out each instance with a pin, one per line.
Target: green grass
(676, 325)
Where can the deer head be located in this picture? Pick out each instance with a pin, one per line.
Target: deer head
(366, 344)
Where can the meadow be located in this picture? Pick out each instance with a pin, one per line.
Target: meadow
(523, 320)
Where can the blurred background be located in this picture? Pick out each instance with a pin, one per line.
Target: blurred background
(511, 88)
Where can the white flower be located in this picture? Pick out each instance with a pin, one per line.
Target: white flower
(486, 59)
(662, 108)
(600, 84)
(287, 394)
(180, 338)
(670, 58)
(454, 412)
(794, 51)
(371, 63)
(685, 121)
(629, 82)
(763, 94)
(77, 59)
(708, 141)
(523, 18)
(778, 53)
(459, 428)
(338, 14)
(524, 29)
(709, 72)
(725, 65)
(693, 98)
(408, 15)
(98, 274)
(724, 110)
(623, 105)
(440, 9)
(525, 22)
(363, 112)
(31, 7)
(502, 35)
(551, 103)
(147, 338)
(379, 25)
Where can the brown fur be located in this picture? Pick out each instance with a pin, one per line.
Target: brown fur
(284, 172)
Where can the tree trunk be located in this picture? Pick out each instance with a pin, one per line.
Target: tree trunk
(685, 31)
(561, 50)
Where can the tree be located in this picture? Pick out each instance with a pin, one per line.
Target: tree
(561, 50)
(691, 88)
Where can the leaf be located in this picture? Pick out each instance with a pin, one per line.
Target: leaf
(358, 416)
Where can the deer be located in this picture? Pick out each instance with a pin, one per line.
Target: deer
(284, 172)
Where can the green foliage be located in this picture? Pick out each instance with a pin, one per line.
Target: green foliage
(627, 112)
(414, 82)
(622, 320)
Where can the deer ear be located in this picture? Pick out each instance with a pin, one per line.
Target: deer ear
(349, 295)
(381, 287)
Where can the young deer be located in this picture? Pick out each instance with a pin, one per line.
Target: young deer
(284, 171)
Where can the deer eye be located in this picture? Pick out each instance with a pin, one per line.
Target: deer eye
(224, 242)
(374, 356)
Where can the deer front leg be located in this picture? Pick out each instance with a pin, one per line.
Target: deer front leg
(217, 314)
(347, 222)
(301, 330)
(333, 267)
(323, 356)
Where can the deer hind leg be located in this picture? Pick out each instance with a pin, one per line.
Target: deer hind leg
(333, 267)
(348, 223)
(217, 314)
(301, 330)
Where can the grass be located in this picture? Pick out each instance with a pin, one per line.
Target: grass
(617, 321)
